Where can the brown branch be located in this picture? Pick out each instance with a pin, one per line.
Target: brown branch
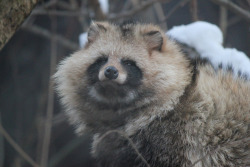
(138, 8)
(160, 15)
(58, 13)
(50, 105)
(181, 3)
(194, 10)
(17, 147)
(223, 20)
(12, 14)
(47, 34)
(234, 8)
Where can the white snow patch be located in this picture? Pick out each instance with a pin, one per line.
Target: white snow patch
(83, 39)
(104, 6)
(207, 39)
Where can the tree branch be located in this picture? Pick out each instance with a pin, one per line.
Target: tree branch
(143, 6)
(47, 34)
(50, 105)
(160, 15)
(223, 20)
(58, 13)
(234, 8)
(17, 147)
(177, 6)
(194, 10)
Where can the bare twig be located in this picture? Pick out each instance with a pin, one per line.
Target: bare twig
(141, 7)
(129, 140)
(17, 147)
(82, 18)
(234, 8)
(194, 10)
(160, 14)
(50, 105)
(40, 133)
(45, 33)
(181, 3)
(223, 20)
(58, 13)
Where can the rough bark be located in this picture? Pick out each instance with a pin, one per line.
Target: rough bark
(12, 14)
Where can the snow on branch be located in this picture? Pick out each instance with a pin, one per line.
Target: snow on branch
(207, 40)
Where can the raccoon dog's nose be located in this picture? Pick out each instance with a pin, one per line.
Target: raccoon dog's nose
(111, 72)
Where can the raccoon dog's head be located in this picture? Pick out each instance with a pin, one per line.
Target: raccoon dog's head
(122, 68)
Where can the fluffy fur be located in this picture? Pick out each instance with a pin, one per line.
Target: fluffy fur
(176, 112)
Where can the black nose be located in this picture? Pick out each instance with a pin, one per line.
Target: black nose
(111, 72)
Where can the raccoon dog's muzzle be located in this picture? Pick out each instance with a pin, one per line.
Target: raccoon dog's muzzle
(113, 71)
(116, 80)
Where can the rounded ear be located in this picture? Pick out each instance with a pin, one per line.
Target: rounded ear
(95, 29)
(153, 39)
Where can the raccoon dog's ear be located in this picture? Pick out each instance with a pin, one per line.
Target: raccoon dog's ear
(154, 40)
(95, 29)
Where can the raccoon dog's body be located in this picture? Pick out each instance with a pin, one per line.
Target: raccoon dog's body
(133, 79)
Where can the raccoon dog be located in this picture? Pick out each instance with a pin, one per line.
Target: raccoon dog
(133, 79)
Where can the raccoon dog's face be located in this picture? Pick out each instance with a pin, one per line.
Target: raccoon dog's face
(122, 68)
(114, 76)
(113, 80)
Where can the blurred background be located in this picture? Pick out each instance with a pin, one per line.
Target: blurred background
(29, 109)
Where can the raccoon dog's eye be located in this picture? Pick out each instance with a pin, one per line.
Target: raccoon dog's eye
(101, 60)
(128, 62)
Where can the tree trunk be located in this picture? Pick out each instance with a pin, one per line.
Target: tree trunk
(12, 14)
